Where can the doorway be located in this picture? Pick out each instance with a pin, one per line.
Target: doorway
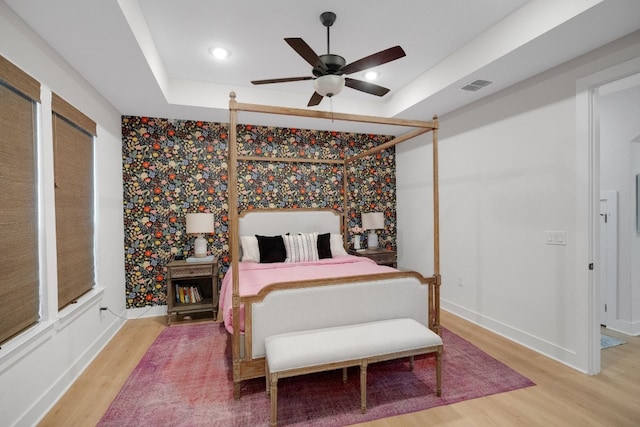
(588, 207)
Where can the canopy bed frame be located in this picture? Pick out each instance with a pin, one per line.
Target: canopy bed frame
(245, 364)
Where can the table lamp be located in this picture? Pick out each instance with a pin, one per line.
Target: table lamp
(200, 223)
(372, 221)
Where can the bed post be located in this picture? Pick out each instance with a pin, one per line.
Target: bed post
(233, 236)
(345, 213)
(436, 231)
(244, 366)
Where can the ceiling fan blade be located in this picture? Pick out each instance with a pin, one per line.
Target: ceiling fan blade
(379, 58)
(315, 99)
(305, 51)
(284, 80)
(367, 87)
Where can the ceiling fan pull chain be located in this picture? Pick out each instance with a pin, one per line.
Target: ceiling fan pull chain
(331, 108)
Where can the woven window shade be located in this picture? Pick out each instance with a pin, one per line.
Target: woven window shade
(73, 170)
(19, 283)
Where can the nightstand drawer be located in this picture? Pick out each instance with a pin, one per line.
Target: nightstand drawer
(195, 271)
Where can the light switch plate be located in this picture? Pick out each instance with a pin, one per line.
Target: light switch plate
(556, 238)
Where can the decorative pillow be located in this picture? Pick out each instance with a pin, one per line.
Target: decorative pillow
(302, 247)
(337, 245)
(324, 246)
(271, 249)
(250, 248)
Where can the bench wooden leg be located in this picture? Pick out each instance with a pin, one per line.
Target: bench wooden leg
(267, 376)
(411, 363)
(439, 373)
(344, 375)
(274, 399)
(363, 385)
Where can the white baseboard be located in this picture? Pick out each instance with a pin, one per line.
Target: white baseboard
(151, 311)
(546, 348)
(43, 405)
(625, 327)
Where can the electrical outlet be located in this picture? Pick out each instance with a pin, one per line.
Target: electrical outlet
(460, 280)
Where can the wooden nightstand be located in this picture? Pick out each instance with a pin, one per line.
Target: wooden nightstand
(192, 287)
(380, 256)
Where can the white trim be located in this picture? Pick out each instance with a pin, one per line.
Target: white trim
(70, 313)
(45, 403)
(46, 211)
(587, 200)
(19, 347)
(30, 340)
(151, 311)
(560, 354)
(625, 327)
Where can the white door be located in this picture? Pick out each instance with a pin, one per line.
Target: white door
(608, 265)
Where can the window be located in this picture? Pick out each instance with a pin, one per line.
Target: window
(19, 277)
(73, 171)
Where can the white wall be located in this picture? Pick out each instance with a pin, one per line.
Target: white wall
(508, 173)
(39, 365)
(619, 114)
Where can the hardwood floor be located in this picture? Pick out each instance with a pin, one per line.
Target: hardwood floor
(561, 397)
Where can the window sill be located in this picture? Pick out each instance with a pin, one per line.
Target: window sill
(23, 344)
(33, 338)
(67, 315)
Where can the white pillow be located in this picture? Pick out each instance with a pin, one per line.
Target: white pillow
(337, 245)
(302, 247)
(250, 248)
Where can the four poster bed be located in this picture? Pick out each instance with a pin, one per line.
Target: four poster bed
(338, 289)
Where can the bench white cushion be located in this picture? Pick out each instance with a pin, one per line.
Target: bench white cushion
(303, 349)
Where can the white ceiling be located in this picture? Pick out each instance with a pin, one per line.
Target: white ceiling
(150, 57)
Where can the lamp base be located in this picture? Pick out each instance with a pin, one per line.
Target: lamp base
(372, 240)
(200, 247)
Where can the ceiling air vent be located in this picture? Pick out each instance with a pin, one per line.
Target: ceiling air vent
(476, 85)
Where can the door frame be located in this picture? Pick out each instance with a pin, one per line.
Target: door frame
(587, 210)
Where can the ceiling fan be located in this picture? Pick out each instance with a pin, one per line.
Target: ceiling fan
(329, 70)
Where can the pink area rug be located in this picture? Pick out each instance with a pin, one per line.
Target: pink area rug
(185, 379)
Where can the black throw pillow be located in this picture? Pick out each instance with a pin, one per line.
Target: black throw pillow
(324, 246)
(271, 249)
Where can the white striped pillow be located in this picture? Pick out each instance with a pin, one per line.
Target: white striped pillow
(302, 247)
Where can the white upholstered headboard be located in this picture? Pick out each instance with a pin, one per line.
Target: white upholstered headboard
(274, 222)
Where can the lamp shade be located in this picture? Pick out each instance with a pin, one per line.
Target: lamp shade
(198, 223)
(329, 85)
(372, 220)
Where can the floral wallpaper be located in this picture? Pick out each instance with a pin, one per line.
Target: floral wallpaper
(172, 167)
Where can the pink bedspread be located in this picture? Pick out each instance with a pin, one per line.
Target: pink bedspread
(255, 276)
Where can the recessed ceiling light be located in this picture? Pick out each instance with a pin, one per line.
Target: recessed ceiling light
(219, 52)
(371, 75)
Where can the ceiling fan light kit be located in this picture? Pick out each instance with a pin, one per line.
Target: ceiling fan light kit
(329, 85)
(219, 52)
(329, 70)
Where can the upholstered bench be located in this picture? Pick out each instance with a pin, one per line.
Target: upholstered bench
(317, 350)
